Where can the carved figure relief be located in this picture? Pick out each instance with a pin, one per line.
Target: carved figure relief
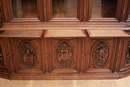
(128, 54)
(64, 54)
(28, 54)
(1, 57)
(100, 54)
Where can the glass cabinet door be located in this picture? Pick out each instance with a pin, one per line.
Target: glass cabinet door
(24, 8)
(64, 8)
(104, 8)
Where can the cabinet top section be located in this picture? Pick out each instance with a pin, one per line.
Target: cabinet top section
(65, 26)
(107, 33)
(65, 33)
(22, 33)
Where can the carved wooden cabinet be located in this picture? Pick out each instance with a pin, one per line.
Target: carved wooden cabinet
(64, 39)
(56, 54)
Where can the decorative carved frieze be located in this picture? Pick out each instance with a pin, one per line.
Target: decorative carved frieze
(64, 54)
(1, 57)
(128, 54)
(28, 54)
(100, 54)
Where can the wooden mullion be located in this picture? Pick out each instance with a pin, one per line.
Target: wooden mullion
(8, 10)
(125, 10)
(48, 10)
(125, 47)
(40, 12)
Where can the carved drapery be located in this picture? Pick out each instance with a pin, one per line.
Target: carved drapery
(28, 54)
(127, 59)
(1, 57)
(100, 54)
(64, 54)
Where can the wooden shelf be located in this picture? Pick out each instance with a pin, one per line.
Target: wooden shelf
(22, 33)
(65, 33)
(107, 33)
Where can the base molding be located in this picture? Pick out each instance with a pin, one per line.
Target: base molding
(64, 76)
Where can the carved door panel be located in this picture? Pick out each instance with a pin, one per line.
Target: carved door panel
(27, 55)
(64, 54)
(100, 55)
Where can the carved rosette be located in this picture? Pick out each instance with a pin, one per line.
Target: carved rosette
(1, 57)
(28, 54)
(127, 59)
(100, 54)
(64, 54)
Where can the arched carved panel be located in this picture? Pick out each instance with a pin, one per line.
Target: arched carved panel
(100, 54)
(64, 54)
(28, 54)
(127, 59)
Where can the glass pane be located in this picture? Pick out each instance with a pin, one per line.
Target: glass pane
(104, 8)
(64, 8)
(24, 8)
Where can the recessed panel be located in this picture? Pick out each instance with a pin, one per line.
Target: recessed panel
(127, 59)
(104, 8)
(1, 57)
(24, 8)
(64, 54)
(100, 54)
(28, 54)
(64, 8)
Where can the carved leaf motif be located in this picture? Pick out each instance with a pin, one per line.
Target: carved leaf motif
(128, 54)
(64, 54)
(28, 54)
(1, 57)
(100, 53)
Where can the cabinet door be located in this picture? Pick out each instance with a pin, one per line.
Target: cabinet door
(64, 55)
(27, 55)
